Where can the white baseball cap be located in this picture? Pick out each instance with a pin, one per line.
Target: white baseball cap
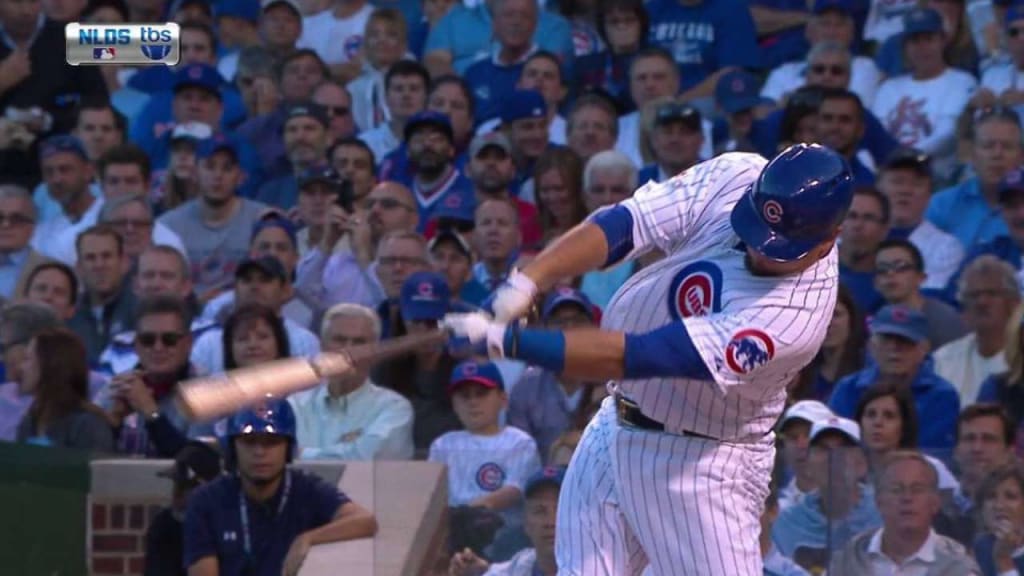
(192, 130)
(809, 410)
(844, 426)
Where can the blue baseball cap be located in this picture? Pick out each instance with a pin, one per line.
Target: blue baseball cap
(523, 104)
(267, 264)
(446, 234)
(822, 6)
(268, 4)
(424, 296)
(908, 158)
(61, 143)
(566, 295)
(485, 374)
(456, 206)
(1014, 13)
(548, 476)
(432, 119)
(324, 174)
(218, 143)
(737, 91)
(276, 220)
(921, 21)
(900, 321)
(248, 10)
(1012, 185)
(199, 76)
(306, 110)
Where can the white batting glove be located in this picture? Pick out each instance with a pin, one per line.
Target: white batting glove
(478, 329)
(514, 297)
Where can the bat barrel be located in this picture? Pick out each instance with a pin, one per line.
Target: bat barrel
(218, 395)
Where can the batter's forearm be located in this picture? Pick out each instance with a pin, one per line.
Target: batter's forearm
(592, 354)
(578, 251)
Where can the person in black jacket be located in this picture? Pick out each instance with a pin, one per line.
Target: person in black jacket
(196, 464)
(38, 90)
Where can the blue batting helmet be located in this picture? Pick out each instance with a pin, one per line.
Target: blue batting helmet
(797, 202)
(273, 418)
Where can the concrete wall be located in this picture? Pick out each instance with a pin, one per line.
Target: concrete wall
(408, 498)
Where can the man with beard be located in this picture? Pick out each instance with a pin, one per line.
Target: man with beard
(216, 225)
(305, 144)
(492, 172)
(841, 127)
(263, 517)
(435, 180)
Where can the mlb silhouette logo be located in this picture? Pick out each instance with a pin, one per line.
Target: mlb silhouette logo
(122, 44)
(156, 52)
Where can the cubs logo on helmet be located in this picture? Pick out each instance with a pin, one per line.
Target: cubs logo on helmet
(749, 350)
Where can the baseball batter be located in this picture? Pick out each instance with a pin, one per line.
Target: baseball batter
(671, 475)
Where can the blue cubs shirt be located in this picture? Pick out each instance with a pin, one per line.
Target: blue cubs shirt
(704, 37)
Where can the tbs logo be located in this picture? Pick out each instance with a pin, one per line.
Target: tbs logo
(124, 44)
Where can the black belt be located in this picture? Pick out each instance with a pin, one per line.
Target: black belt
(629, 413)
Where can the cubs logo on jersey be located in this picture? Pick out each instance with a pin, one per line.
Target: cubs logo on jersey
(352, 45)
(696, 290)
(490, 477)
(749, 350)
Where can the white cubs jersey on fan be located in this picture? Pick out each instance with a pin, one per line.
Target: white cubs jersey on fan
(478, 465)
(754, 333)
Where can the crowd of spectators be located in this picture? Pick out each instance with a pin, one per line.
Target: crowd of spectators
(317, 174)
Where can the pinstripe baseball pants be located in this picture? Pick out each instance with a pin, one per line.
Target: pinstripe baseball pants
(642, 502)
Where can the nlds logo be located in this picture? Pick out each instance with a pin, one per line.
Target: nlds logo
(123, 44)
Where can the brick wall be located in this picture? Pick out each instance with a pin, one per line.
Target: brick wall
(117, 535)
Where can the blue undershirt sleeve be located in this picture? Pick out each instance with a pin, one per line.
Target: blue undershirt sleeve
(617, 225)
(667, 352)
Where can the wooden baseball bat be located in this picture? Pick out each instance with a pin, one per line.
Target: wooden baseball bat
(217, 395)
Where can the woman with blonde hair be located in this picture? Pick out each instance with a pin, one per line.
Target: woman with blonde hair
(385, 41)
(558, 180)
(1000, 503)
(1007, 389)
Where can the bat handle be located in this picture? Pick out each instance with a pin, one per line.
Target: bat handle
(329, 364)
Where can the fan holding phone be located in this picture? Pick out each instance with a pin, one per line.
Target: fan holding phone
(337, 241)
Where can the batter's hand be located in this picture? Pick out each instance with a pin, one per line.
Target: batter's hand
(477, 328)
(513, 298)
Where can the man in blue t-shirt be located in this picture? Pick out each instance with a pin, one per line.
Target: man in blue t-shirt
(263, 518)
(706, 38)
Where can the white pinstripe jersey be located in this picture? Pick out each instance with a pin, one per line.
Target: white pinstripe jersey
(754, 333)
